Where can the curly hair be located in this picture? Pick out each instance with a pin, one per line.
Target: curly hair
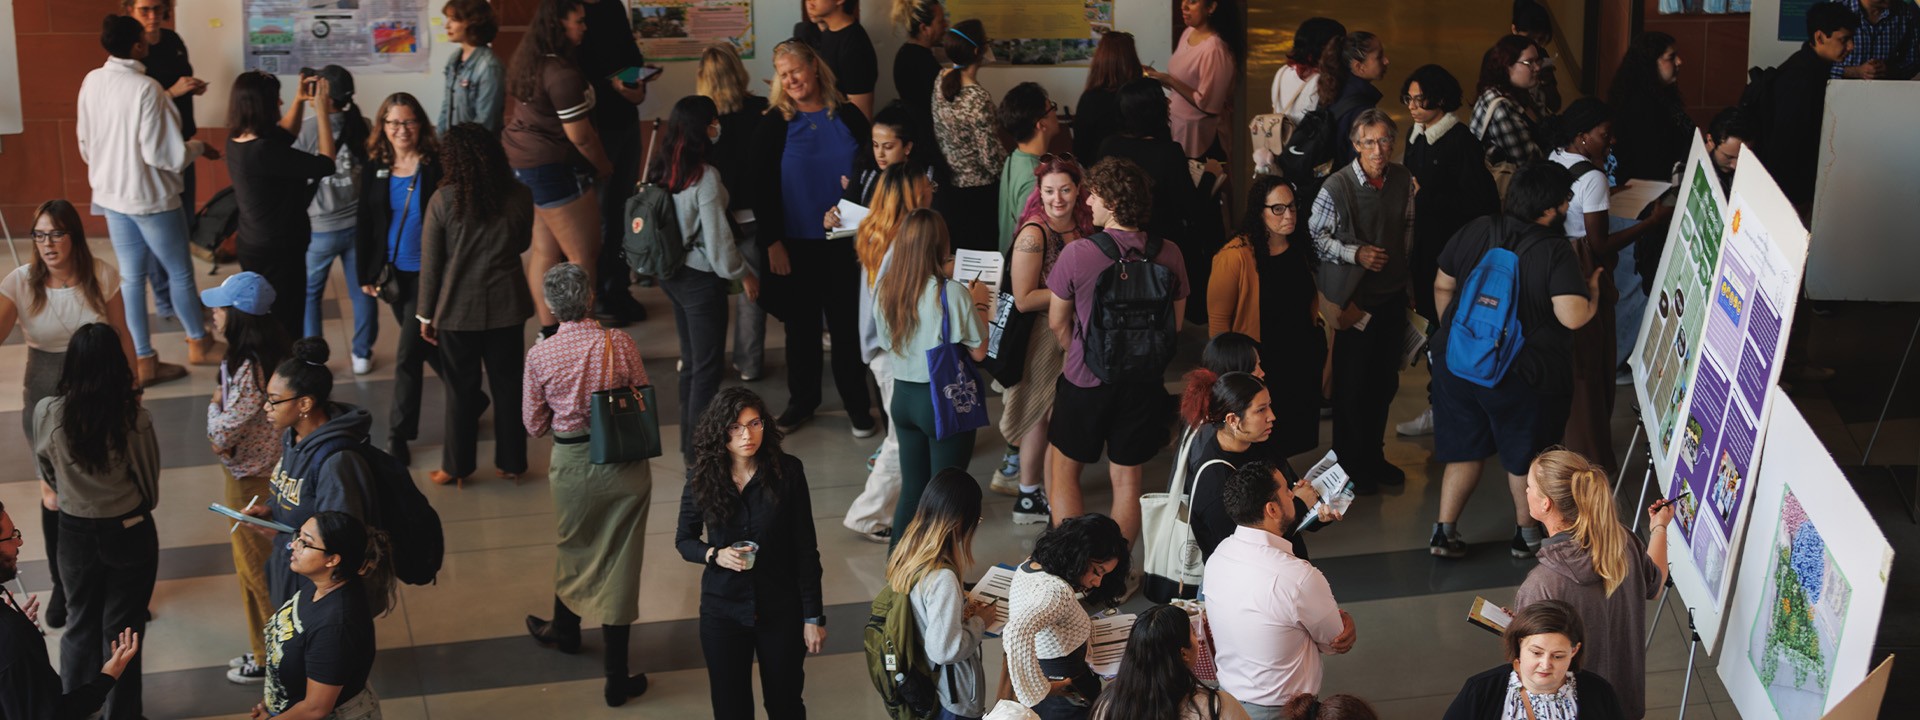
(1307, 706)
(546, 35)
(476, 171)
(1124, 188)
(1066, 550)
(712, 475)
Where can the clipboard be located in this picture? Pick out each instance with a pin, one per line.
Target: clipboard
(251, 520)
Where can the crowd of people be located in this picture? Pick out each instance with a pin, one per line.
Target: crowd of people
(510, 202)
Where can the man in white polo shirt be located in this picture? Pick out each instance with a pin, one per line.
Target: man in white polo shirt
(1272, 614)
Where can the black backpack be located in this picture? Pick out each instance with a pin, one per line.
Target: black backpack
(1130, 336)
(396, 505)
(1310, 152)
(1756, 105)
(216, 222)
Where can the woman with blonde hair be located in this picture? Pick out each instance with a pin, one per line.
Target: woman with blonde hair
(723, 78)
(800, 150)
(928, 565)
(1592, 563)
(899, 191)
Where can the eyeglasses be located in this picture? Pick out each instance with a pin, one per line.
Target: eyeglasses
(1534, 63)
(1385, 143)
(1412, 100)
(14, 537)
(272, 403)
(1050, 157)
(1052, 107)
(1283, 209)
(301, 542)
(749, 427)
(49, 237)
(408, 124)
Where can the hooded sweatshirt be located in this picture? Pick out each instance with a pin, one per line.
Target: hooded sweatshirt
(1614, 624)
(316, 474)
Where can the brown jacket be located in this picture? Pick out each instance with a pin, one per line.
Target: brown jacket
(470, 273)
(1233, 293)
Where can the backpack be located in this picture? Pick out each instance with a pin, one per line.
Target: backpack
(396, 505)
(214, 226)
(1271, 132)
(1756, 105)
(1485, 335)
(652, 243)
(1131, 334)
(895, 662)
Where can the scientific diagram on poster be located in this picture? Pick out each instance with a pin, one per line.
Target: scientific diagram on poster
(1039, 32)
(681, 29)
(363, 36)
(1670, 334)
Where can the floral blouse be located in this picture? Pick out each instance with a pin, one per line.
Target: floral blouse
(564, 370)
(1559, 705)
(238, 426)
(965, 127)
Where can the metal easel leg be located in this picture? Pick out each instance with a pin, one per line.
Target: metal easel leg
(1913, 511)
(1693, 647)
(1662, 607)
(1646, 480)
(1627, 457)
(9, 233)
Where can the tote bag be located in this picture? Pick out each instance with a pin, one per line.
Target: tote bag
(622, 420)
(1174, 564)
(958, 405)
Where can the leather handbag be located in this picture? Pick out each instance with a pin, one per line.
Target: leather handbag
(958, 405)
(622, 421)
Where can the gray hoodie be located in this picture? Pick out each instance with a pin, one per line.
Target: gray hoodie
(1614, 623)
(336, 200)
(315, 475)
(952, 645)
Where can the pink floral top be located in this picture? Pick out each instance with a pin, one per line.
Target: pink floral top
(238, 426)
(563, 370)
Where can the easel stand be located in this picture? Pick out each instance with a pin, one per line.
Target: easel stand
(1912, 507)
(1693, 646)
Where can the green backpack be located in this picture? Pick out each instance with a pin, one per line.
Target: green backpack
(895, 661)
(651, 242)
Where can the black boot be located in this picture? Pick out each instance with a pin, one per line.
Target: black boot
(563, 633)
(56, 609)
(620, 686)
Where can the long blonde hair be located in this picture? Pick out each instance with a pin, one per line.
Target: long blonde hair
(899, 193)
(823, 79)
(941, 533)
(1580, 491)
(722, 77)
(920, 254)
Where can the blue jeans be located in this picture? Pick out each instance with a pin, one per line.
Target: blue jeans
(162, 235)
(366, 309)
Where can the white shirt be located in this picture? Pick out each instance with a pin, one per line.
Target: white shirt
(1287, 83)
(129, 135)
(1589, 194)
(1043, 621)
(65, 311)
(1272, 616)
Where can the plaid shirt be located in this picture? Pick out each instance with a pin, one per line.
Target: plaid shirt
(1891, 39)
(1504, 128)
(1326, 221)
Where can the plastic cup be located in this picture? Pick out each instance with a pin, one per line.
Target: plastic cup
(747, 549)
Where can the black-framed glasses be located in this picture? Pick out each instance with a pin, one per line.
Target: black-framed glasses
(300, 541)
(1410, 100)
(13, 537)
(1062, 157)
(49, 237)
(272, 403)
(1283, 209)
(751, 426)
(1052, 107)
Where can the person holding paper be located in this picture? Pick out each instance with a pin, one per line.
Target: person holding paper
(1597, 567)
(95, 444)
(1543, 675)
(1156, 680)
(935, 552)
(1226, 416)
(893, 142)
(1272, 614)
(31, 689)
(1047, 631)
(244, 440)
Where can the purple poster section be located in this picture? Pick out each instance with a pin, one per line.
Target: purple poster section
(1700, 439)
(1756, 359)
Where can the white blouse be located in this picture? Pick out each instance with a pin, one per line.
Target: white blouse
(1562, 704)
(66, 310)
(1043, 621)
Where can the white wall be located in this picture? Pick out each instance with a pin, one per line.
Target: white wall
(218, 56)
(1764, 48)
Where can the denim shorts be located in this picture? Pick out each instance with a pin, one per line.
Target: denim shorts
(553, 185)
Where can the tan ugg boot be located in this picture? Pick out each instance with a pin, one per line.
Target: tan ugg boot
(153, 372)
(205, 351)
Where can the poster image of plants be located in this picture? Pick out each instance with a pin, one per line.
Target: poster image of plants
(1800, 618)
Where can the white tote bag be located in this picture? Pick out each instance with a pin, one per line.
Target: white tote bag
(1174, 564)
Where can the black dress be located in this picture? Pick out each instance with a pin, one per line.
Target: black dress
(1455, 188)
(1293, 350)
(1095, 119)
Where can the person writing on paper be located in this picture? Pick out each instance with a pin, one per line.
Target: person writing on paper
(1594, 564)
(1272, 614)
(600, 509)
(319, 468)
(934, 553)
(95, 444)
(29, 688)
(1542, 677)
(322, 638)
(244, 440)
(917, 306)
(1047, 631)
(1156, 680)
(1525, 412)
(746, 515)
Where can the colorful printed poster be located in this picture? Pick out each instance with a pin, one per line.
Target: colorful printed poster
(1039, 32)
(363, 36)
(681, 29)
(1670, 335)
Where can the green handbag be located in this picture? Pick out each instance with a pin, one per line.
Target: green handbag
(622, 421)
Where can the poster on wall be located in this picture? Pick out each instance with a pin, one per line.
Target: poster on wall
(1670, 332)
(1793, 20)
(1039, 32)
(1812, 582)
(363, 36)
(681, 29)
(1705, 7)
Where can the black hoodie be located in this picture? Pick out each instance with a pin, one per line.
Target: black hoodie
(316, 474)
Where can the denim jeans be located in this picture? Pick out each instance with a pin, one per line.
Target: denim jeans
(700, 315)
(162, 235)
(750, 320)
(366, 309)
(157, 272)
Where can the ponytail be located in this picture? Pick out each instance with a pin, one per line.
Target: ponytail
(1197, 397)
(1333, 69)
(1580, 491)
(1210, 398)
(966, 45)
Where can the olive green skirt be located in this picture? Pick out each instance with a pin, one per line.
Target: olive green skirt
(601, 513)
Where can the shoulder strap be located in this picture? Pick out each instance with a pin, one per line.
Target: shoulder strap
(946, 335)
(1305, 82)
(1580, 169)
(1106, 244)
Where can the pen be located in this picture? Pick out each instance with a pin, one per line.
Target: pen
(236, 526)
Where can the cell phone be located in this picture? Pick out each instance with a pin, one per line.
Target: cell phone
(635, 75)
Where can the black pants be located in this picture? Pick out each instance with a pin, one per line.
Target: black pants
(462, 354)
(285, 268)
(700, 315)
(109, 569)
(412, 352)
(731, 649)
(621, 138)
(971, 214)
(1366, 374)
(825, 273)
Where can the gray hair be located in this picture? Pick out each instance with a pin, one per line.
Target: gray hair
(568, 296)
(1369, 118)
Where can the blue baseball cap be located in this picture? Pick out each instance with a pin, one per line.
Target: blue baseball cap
(247, 292)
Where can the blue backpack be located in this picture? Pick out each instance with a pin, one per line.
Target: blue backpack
(1486, 335)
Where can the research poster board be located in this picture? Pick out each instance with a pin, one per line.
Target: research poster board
(12, 119)
(1812, 582)
(1716, 450)
(1670, 331)
(1864, 198)
(363, 36)
(681, 29)
(1038, 32)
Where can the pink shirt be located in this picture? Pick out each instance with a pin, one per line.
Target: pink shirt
(1208, 69)
(1272, 616)
(563, 370)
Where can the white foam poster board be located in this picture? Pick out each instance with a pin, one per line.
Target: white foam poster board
(12, 118)
(1812, 583)
(1863, 201)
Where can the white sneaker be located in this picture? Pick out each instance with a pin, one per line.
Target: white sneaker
(1422, 425)
(362, 365)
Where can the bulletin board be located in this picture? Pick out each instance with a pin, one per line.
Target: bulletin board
(1038, 32)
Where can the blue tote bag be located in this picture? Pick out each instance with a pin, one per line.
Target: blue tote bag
(958, 405)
